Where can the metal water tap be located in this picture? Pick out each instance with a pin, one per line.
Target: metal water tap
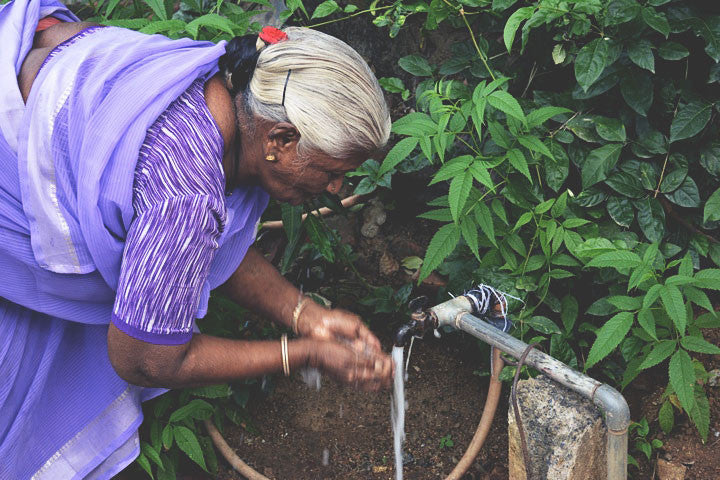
(421, 321)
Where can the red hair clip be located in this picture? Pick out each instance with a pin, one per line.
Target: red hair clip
(271, 35)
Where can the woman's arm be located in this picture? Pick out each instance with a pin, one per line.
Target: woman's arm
(207, 360)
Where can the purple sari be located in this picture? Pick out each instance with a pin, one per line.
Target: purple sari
(67, 162)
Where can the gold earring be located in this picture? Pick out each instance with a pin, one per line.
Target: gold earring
(270, 158)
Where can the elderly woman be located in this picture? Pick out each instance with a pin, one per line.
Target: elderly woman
(133, 172)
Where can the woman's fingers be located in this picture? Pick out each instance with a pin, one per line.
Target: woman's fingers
(366, 371)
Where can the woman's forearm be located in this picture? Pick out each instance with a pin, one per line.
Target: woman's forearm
(257, 285)
(205, 360)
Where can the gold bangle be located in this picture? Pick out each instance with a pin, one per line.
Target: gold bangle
(284, 353)
(302, 300)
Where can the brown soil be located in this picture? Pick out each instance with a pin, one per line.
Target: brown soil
(445, 398)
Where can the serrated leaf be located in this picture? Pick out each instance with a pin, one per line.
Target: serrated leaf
(666, 417)
(451, 169)
(163, 26)
(196, 409)
(507, 104)
(151, 453)
(646, 319)
(212, 20)
(609, 336)
(623, 302)
(188, 443)
(416, 124)
(541, 115)
(674, 305)
(481, 174)
(682, 379)
(158, 7)
(617, 259)
(599, 162)
(458, 194)
(470, 234)
(484, 219)
(590, 62)
(325, 8)
(513, 23)
(397, 154)
(542, 324)
(441, 245)
(700, 345)
(568, 312)
(517, 160)
(711, 212)
(708, 278)
(145, 464)
(660, 352)
(535, 145)
(440, 215)
(690, 119)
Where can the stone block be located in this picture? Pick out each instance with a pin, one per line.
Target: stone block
(566, 436)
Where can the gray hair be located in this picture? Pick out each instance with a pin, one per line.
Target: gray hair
(332, 97)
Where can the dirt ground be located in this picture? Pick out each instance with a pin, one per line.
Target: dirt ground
(445, 400)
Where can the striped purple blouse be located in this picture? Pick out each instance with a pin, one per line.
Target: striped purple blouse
(179, 204)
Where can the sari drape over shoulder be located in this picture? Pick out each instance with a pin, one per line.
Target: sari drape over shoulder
(67, 163)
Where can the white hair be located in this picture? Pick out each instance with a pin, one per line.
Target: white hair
(331, 97)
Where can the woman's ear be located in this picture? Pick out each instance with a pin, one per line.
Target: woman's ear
(282, 139)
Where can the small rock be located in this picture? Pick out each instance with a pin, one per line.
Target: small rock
(380, 468)
(714, 379)
(373, 216)
(388, 265)
(670, 471)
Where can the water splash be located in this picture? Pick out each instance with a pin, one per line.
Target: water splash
(397, 410)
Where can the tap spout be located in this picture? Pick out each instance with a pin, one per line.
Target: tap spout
(420, 322)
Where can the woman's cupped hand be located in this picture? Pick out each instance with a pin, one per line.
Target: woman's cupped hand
(347, 350)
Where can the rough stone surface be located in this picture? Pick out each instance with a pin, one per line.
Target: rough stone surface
(373, 216)
(670, 471)
(565, 434)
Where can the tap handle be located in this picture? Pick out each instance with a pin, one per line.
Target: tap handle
(418, 304)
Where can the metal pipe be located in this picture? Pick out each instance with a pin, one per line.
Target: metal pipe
(453, 313)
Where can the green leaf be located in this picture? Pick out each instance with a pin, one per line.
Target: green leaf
(292, 220)
(672, 51)
(394, 85)
(452, 168)
(325, 8)
(513, 23)
(590, 62)
(610, 129)
(481, 174)
(541, 115)
(556, 172)
(651, 218)
(568, 312)
(319, 237)
(637, 90)
(690, 119)
(542, 324)
(623, 302)
(440, 215)
(470, 234)
(666, 417)
(559, 54)
(708, 278)
(672, 299)
(599, 162)
(686, 195)
(196, 409)
(397, 154)
(700, 415)
(145, 464)
(163, 26)
(698, 297)
(483, 217)
(212, 20)
(167, 437)
(616, 259)
(517, 160)
(682, 378)
(621, 211)
(700, 345)
(416, 65)
(711, 212)
(609, 336)
(212, 391)
(640, 52)
(415, 124)
(656, 21)
(158, 7)
(151, 453)
(535, 145)
(660, 352)
(646, 319)
(626, 184)
(188, 443)
(621, 11)
(459, 191)
(441, 245)
(507, 104)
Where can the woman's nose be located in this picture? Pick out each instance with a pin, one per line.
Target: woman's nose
(334, 185)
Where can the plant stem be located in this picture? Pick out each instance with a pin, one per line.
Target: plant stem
(350, 16)
(477, 47)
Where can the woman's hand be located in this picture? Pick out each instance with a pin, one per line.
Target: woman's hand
(346, 364)
(322, 323)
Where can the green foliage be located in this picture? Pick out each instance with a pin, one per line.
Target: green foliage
(446, 442)
(592, 192)
(640, 431)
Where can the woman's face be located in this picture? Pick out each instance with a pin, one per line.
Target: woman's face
(295, 179)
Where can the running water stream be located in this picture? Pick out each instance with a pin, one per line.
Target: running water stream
(397, 410)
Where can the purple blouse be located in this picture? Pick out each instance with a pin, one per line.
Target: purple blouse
(179, 203)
